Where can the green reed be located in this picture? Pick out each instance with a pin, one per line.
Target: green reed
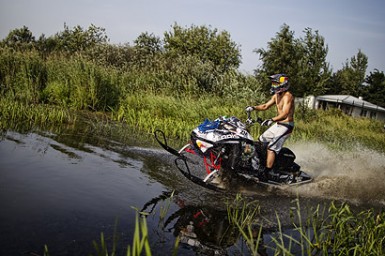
(333, 230)
(336, 230)
(242, 214)
(140, 242)
(176, 116)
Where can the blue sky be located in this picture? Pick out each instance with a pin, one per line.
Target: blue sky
(346, 25)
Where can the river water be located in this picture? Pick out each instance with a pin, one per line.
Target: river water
(64, 189)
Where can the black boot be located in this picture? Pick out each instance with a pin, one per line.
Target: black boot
(264, 173)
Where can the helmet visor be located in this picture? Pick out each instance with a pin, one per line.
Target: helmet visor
(275, 84)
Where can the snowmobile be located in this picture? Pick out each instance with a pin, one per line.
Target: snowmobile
(223, 149)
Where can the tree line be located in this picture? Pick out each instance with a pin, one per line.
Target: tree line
(186, 60)
(304, 59)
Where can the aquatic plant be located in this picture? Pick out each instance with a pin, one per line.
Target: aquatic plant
(242, 214)
(333, 230)
(337, 231)
(140, 243)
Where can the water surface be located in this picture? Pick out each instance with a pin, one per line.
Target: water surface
(63, 190)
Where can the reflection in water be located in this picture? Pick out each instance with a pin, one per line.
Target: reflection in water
(203, 229)
(206, 230)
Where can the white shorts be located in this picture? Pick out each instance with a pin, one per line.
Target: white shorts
(276, 135)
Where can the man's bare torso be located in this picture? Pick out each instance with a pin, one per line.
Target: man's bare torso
(285, 102)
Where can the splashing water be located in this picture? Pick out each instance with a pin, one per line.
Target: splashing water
(357, 176)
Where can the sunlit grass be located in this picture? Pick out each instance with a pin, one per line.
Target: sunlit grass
(176, 116)
(242, 214)
(179, 116)
(29, 115)
(340, 131)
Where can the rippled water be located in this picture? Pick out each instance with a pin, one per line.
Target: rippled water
(63, 190)
(63, 196)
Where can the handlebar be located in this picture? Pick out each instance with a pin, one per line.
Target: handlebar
(251, 121)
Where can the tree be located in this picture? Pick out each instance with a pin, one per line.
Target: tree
(358, 64)
(303, 60)
(146, 48)
(207, 44)
(351, 77)
(280, 53)
(374, 88)
(20, 39)
(280, 56)
(78, 39)
(46, 45)
(313, 71)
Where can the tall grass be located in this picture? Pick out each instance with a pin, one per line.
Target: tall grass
(175, 116)
(80, 83)
(340, 131)
(144, 113)
(14, 113)
(22, 75)
(172, 96)
(243, 214)
(178, 116)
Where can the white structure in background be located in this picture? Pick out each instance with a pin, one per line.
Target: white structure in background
(356, 107)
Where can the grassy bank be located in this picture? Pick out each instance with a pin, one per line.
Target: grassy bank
(177, 117)
(172, 96)
(144, 113)
(17, 115)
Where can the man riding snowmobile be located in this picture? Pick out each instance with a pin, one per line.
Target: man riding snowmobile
(227, 151)
(276, 134)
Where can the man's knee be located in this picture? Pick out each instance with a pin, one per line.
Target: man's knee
(271, 152)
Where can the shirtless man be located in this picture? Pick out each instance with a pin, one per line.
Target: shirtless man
(277, 134)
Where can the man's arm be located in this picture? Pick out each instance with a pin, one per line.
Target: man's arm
(267, 105)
